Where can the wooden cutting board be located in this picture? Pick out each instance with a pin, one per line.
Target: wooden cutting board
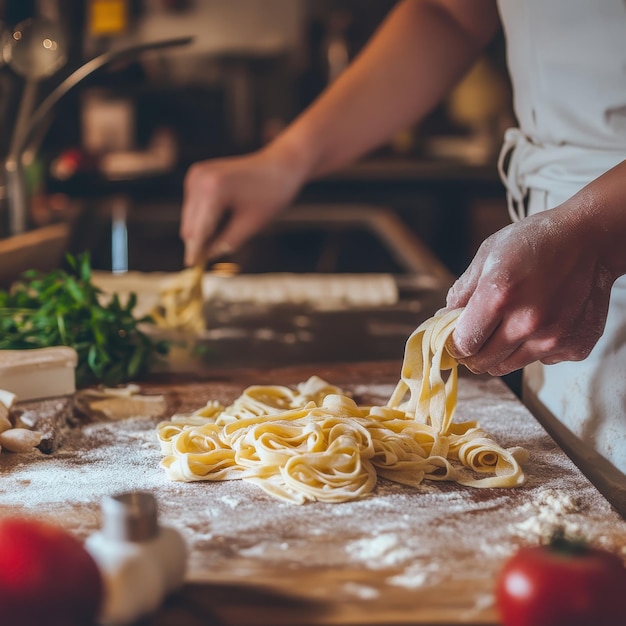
(402, 556)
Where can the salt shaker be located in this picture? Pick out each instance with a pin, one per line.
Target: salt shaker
(140, 561)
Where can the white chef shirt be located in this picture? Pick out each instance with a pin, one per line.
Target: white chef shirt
(567, 61)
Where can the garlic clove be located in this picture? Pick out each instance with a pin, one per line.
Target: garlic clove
(19, 439)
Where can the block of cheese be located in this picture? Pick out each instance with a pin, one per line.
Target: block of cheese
(38, 373)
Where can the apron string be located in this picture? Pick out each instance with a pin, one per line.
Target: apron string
(560, 170)
(508, 168)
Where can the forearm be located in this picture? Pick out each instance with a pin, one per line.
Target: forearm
(599, 209)
(414, 59)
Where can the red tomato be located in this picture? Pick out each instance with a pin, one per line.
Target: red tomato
(46, 576)
(562, 584)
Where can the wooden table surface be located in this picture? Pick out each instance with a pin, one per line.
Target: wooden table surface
(402, 556)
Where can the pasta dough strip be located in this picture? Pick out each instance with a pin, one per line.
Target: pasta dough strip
(181, 302)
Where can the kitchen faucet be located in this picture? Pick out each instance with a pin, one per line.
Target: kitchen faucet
(21, 145)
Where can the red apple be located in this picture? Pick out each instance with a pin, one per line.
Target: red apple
(46, 576)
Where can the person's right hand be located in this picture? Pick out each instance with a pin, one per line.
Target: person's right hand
(227, 200)
(537, 290)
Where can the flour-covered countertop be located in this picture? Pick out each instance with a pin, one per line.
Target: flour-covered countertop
(402, 555)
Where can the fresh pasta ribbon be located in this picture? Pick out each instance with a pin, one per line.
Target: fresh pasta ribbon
(181, 302)
(431, 400)
(315, 443)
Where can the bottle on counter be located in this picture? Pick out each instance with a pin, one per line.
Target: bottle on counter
(141, 562)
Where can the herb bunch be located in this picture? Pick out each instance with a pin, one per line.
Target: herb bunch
(63, 308)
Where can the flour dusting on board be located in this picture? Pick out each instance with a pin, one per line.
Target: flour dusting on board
(401, 538)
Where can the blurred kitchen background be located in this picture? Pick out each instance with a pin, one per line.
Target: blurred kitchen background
(103, 159)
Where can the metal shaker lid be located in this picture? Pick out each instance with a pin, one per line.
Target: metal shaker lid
(130, 516)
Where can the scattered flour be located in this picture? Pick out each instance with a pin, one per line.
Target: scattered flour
(361, 591)
(379, 552)
(417, 575)
(551, 510)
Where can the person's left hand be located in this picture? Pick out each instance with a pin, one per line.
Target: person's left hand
(537, 290)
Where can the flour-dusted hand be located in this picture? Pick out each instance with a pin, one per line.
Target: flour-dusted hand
(537, 290)
(227, 200)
